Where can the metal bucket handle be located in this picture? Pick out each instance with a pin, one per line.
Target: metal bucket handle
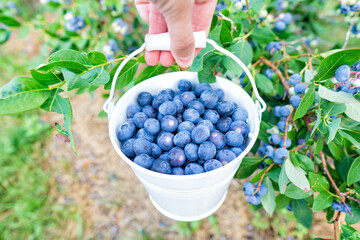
(162, 42)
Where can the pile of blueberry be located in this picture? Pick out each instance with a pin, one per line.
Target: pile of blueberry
(298, 90)
(252, 197)
(120, 26)
(349, 6)
(340, 207)
(187, 132)
(282, 21)
(345, 82)
(273, 46)
(74, 23)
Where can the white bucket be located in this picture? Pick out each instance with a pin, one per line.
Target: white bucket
(186, 197)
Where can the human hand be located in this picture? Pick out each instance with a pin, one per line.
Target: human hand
(180, 19)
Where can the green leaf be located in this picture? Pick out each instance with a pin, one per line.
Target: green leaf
(319, 146)
(322, 201)
(22, 94)
(294, 192)
(46, 78)
(9, 21)
(350, 138)
(343, 167)
(263, 35)
(282, 201)
(306, 162)
(337, 97)
(333, 128)
(96, 58)
(302, 212)
(55, 103)
(296, 175)
(242, 50)
(126, 75)
(349, 233)
(207, 74)
(309, 75)
(69, 55)
(336, 151)
(330, 109)
(353, 111)
(264, 84)
(353, 175)
(198, 62)
(268, 200)
(356, 215)
(283, 180)
(100, 78)
(318, 182)
(73, 81)
(149, 72)
(306, 102)
(248, 166)
(70, 65)
(331, 63)
(225, 32)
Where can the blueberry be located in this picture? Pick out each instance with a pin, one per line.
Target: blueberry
(300, 88)
(177, 171)
(152, 126)
(234, 139)
(166, 141)
(149, 111)
(295, 79)
(179, 118)
(144, 161)
(282, 125)
(278, 45)
(355, 7)
(223, 124)
(342, 74)
(269, 73)
(275, 139)
(261, 151)
(169, 92)
(288, 143)
(160, 117)
(158, 100)
(181, 139)
(218, 139)
(144, 98)
(240, 114)
(200, 88)
(127, 148)
(142, 146)
(193, 168)
(184, 85)
(187, 97)
(200, 134)
(139, 119)
(211, 115)
(141, 133)
(186, 126)
(344, 9)
(191, 152)
(295, 100)
(126, 130)
(155, 150)
(287, 18)
(277, 111)
(161, 166)
(280, 155)
(212, 164)
(301, 142)
(270, 46)
(225, 156)
(209, 98)
(254, 200)
(201, 162)
(280, 25)
(262, 191)
(240, 127)
(165, 156)
(191, 115)
(207, 123)
(167, 108)
(237, 151)
(289, 207)
(169, 123)
(269, 151)
(284, 111)
(344, 209)
(207, 150)
(177, 157)
(337, 206)
(248, 189)
(179, 105)
(198, 106)
(225, 108)
(132, 109)
(220, 94)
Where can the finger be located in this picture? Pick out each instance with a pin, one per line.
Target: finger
(143, 7)
(166, 58)
(157, 24)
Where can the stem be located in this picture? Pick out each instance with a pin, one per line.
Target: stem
(298, 147)
(262, 177)
(293, 57)
(277, 71)
(104, 64)
(354, 199)
(353, 20)
(286, 126)
(336, 227)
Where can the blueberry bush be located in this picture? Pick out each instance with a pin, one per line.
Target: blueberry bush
(302, 54)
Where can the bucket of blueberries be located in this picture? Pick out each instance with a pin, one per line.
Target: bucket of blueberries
(184, 139)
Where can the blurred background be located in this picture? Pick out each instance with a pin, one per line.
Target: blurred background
(48, 192)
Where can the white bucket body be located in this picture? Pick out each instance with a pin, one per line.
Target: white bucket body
(187, 197)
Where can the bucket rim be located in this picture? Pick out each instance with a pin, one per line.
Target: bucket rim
(237, 160)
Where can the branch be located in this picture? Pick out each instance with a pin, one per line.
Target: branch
(289, 118)
(336, 227)
(277, 71)
(353, 20)
(262, 177)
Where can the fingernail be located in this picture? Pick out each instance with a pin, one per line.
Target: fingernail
(184, 62)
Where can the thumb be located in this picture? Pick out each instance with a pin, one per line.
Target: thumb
(178, 16)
